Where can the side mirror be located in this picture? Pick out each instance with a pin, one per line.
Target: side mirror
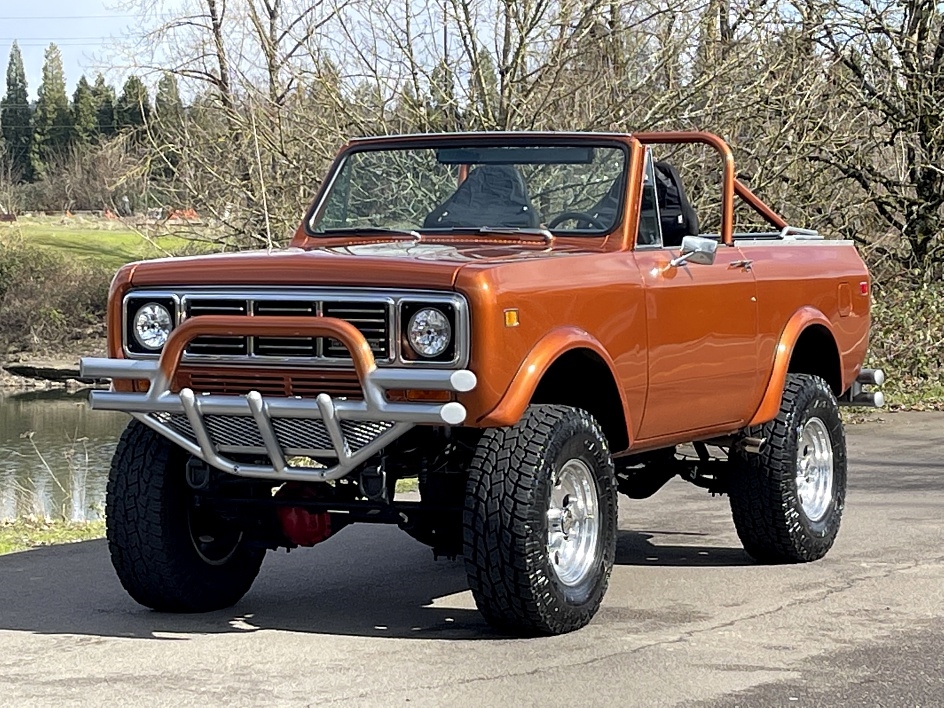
(696, 249)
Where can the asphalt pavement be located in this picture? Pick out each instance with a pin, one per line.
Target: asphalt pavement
(368, 618)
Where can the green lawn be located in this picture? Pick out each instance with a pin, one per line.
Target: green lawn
(110, 243)
(25, 534)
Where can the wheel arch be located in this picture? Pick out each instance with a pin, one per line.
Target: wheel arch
(807, 346)
(568, 367)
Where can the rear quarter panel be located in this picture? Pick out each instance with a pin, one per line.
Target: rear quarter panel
(825, 275)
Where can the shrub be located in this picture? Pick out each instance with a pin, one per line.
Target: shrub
(46, 298)
(907, 338)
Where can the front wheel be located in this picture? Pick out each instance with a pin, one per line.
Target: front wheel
(787, 501)
(169, 555)
(539, 526)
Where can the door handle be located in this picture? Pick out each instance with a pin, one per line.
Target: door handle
(745, 264)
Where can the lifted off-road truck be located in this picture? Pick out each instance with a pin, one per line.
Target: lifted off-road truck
(528, 323)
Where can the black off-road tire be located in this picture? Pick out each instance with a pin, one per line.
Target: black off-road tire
(768, 515)
(505, 523)
(149, 532)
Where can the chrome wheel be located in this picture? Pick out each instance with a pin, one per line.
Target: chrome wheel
(814, 469)
(573, 526)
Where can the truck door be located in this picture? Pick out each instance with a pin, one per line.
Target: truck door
(701, 323)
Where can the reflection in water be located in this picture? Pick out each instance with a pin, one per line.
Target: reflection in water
(54, 455)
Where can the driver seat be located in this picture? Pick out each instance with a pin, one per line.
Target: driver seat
(491, 195)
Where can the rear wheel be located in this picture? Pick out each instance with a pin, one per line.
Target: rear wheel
(540, 522)
(787, 501)
(170, 555)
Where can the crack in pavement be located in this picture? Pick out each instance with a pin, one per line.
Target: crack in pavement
(817, 596)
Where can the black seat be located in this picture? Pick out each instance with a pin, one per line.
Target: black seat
(605, 210)
(491, 195)
(678, 218)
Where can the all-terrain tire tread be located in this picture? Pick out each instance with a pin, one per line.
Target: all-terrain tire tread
(497, 527)
(145, 551)
(761, 498)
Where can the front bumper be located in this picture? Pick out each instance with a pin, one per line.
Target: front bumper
(211, 427)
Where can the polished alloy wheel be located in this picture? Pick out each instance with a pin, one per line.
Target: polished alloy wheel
(573, 526)
(814, 469)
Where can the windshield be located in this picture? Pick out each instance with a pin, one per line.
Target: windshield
(567, 189)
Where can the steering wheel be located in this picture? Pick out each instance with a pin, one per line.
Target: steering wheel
(577, 216)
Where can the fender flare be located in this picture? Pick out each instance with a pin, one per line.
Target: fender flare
(796, 325)
(541, 357)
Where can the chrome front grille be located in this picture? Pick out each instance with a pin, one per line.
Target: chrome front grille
(372, 318)
(375, 312)
(217, 346)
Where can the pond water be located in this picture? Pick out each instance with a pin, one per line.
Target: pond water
(54, 455)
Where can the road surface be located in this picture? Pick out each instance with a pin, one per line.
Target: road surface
(369, 618)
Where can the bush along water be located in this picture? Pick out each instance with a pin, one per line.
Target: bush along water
(47, 298)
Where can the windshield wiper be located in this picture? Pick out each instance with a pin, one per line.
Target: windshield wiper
(372, 231)
(530, 231)
(536, 231)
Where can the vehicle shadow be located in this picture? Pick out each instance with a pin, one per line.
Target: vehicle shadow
(367, 582)
(644, 548)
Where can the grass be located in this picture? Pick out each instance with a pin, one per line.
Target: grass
(109, 243)
(411, 484)
(28, 533)
(914, 396)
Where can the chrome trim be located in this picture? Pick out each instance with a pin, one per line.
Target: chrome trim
(393, 299)
(795, 232)
(331, 412)
(144, 295)
(460, 332)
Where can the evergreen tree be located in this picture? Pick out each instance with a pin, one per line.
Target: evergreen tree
(15, 116)
(167, 104)
(104, 97)
(52, 121)
(444, 108)
(483, 110)
(134, 105)
(169, 117)
(84, 113)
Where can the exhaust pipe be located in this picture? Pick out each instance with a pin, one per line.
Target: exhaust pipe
(856, 396)
(865, 398)
(871, 377)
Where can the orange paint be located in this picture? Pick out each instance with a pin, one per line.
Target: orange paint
(697, 350)
(233, 325)
(777, 377)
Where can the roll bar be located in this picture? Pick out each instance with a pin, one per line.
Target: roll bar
(730, 184)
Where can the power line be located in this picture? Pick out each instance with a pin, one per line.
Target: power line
(64, 44)
(67, 17)
(52, 39)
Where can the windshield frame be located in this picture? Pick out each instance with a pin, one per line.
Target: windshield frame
(485, 139)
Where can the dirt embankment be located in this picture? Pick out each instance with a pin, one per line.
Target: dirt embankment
(45, 369)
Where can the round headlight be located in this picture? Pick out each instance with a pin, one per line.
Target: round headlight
(429, 332)
(152, 326)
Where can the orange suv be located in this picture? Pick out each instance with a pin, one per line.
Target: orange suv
(528, 323)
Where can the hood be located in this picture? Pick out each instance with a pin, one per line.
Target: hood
(422, 264)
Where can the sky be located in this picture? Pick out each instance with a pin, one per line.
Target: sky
(84, 30)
